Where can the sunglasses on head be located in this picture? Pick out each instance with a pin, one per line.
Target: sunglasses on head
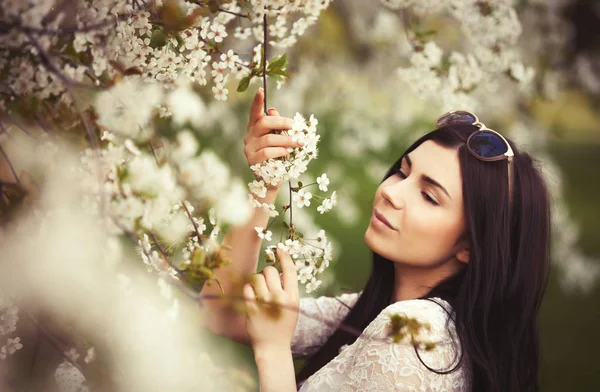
(484, 144)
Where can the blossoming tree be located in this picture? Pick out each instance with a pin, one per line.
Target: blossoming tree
(120, 85)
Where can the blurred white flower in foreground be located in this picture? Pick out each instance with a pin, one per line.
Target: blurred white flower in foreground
(54, 259)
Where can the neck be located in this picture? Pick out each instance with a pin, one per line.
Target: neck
(413, 283)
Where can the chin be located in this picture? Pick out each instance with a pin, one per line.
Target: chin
(370, 240)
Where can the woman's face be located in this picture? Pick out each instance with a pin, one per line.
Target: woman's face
(423, 204)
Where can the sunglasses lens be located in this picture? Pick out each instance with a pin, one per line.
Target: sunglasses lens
(487, 145)
(456, 118)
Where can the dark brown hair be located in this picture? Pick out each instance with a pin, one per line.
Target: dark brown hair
(497, 296)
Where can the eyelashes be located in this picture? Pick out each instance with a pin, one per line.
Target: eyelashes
(426, 197)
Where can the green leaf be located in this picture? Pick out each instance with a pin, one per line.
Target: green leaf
(278, 71)
(158, 39)
(199, 257)
(278, 62)
(213, 6)
(426, 34)
(179, 39)
(243, 85)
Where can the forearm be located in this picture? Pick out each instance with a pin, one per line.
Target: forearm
(245, 247)
(244, 250)
(275, 369)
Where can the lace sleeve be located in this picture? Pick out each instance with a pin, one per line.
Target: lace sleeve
(382, 365)
(318, 320)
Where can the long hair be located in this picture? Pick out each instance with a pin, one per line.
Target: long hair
(497, 295)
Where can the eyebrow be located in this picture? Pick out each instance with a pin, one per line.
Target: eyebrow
(427, 178)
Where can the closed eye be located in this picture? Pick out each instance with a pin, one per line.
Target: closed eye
(425, 195)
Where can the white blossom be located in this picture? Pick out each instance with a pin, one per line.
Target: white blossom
(90, 355)
(258, 188)
(326, 206)
(263, 233)
(323, 182)
(186, 106)
(72, 354)
(313, 285)
(12, 346)
(302, 198)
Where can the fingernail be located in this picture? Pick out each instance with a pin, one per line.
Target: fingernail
(271, 109)
(260, 90)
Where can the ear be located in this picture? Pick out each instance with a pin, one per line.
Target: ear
(463, 255)
(463, 248)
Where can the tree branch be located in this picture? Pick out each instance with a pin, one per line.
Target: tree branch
(187, 211)
(234, 13)
(12, 169)
(5, 28)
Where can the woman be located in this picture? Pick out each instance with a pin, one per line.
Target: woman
(460, 237)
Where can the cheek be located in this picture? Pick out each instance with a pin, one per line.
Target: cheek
(431, 229)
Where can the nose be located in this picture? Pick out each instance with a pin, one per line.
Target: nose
(394, 194)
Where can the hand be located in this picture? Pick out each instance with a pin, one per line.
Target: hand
(259, 144)
(273, 307)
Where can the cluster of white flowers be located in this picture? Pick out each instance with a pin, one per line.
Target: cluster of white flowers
(161, 43)
(9, 315)
(310, 259)
(153, 194)
(273, 171)
(281, 33)
(311, 256)
(491, 30)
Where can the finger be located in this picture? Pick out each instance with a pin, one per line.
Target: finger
(273, 112)
(257, 108)
(288, 272)
(272, 140)
(267, 124)
(250, 297)
(272, 278)
(260, 287)
(267, 153)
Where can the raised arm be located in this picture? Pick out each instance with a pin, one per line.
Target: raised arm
(259, 145)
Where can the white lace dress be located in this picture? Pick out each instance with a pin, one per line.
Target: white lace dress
(374, 362)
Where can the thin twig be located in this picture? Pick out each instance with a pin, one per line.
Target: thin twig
(264, 62)
(95, 148)
(220, 52)
(54, 341)
(406, 25)
(36, 351)
(57, 9)
(5, 377)
(46, 61)
(291, 207)
(187, 211)
(135, 239)
(18, 126)
(12, 169)
(5, 28)
(234, 13)
(163, 252)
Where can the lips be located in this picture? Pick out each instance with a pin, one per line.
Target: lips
(382, 218)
